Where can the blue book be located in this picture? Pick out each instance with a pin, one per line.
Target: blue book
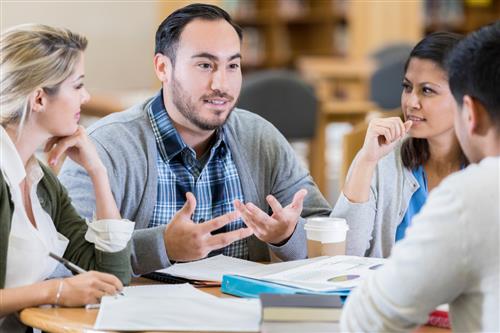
(248, 287)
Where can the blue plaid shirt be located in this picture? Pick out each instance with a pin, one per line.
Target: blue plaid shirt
(215, 185)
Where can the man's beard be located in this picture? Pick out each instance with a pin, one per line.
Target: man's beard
(186, 107)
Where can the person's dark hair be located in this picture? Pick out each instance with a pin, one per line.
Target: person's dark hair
(474, 69)
(435, 47)
(169, 31)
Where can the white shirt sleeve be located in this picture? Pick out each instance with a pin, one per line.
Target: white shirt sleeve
(109, 235)
(426, 269)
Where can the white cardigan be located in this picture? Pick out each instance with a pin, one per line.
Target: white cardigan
(451, 254)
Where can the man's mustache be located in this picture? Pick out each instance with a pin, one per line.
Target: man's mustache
(218, 95)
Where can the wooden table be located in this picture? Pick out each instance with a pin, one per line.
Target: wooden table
(73, 320)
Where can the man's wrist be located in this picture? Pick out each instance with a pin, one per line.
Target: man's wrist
(285, 240)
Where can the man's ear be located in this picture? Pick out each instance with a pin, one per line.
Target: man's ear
(163, 67)
(38, 100)
(478, 120)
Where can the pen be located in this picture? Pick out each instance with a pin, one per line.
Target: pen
(68, 264)
(72, 267)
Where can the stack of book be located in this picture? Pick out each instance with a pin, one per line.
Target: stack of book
(300, 312)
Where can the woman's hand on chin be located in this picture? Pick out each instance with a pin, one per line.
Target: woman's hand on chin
(78, 147)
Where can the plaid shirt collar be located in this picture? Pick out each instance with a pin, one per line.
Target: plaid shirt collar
(168, 139)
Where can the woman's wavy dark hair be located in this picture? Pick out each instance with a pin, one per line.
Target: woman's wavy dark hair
(434, 47)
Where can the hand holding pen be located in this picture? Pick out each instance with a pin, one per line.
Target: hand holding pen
(85, 287)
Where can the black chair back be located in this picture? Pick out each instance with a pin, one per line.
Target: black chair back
(282, 98)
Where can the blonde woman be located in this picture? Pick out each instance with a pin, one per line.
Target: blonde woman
(41, 94)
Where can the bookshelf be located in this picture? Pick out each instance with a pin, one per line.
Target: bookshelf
(461, 16)
(277, 33)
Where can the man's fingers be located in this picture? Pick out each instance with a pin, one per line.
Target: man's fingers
(219, 222)
(274, 203)
(224, 239)
(189, 206)
(247, 217)
(298, 199)
(256, 219)
(257, 213)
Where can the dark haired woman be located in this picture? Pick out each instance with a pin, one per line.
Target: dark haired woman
(401, 162)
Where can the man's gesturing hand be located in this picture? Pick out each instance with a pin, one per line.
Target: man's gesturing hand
(277, 228)
(186, 240)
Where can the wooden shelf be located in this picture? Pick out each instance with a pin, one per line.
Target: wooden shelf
(276, 35)
(462, 17)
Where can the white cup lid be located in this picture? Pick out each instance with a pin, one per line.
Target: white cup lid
(326, 223)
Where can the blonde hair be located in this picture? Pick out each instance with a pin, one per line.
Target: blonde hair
(34, 56)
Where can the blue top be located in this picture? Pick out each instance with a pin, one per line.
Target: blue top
(416, 202)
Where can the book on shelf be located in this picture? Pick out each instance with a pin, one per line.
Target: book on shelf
(252, 48)
(300, 307)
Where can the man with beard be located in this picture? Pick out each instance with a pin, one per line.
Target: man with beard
(198, 176)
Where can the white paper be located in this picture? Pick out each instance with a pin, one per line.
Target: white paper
(164, 291)
(211, 269)
(320, 275)
(176, 308)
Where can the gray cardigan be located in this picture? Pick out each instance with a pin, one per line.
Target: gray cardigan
(265, 161)
(373, 224)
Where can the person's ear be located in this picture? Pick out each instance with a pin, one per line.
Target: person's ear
(478, 121)
(38, 100)
(163, 67)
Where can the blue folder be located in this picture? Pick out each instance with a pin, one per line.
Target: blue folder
(248, 287)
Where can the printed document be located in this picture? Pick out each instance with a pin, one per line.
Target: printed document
(324, 273)
(176, 308)
(211, 269)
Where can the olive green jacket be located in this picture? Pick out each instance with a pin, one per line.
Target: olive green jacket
(54, 199)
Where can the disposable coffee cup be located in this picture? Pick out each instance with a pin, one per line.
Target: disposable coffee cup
(326, 236)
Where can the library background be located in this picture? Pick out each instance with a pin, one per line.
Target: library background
(317, 69)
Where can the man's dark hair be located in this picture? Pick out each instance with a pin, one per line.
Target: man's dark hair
(435, 47)
(169, 31)
(474, 69)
